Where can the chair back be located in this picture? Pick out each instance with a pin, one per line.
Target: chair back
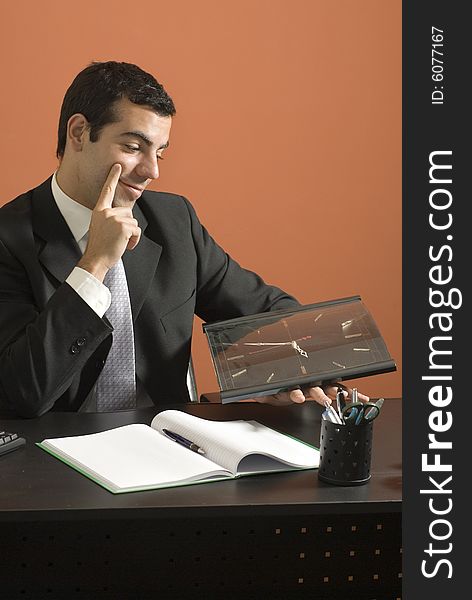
(192, 383)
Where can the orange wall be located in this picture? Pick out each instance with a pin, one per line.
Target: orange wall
(287, 138)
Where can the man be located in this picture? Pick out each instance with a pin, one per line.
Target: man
(93, 219)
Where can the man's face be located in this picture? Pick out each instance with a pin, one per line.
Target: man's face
(136, 140)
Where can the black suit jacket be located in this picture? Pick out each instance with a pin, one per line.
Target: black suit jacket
(53, 345)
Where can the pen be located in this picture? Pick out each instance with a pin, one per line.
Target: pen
(339, 403)
(184, 441)
(379, 403)
(361, 410)
(333, 413)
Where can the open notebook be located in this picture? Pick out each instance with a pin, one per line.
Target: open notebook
(142, 457)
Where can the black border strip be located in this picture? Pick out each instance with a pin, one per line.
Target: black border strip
(432, 567)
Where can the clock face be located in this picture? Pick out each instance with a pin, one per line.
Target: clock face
(266, 353)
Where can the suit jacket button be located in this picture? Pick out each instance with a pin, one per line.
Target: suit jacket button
(74, 349)
(81, 341)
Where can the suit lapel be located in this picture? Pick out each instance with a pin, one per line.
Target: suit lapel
(140, 264)
(59, 252)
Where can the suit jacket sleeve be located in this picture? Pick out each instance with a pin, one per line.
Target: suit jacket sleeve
(41, 351)
(225, 290)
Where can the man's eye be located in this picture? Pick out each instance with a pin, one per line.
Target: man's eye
(132, 148)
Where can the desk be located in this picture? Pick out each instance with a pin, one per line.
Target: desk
(287, 533)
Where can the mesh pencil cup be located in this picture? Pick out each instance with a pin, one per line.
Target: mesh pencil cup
(345, 453)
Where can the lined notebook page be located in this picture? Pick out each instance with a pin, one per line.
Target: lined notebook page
(133, 456)
(227, 442)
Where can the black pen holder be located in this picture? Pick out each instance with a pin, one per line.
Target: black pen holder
(345, 453)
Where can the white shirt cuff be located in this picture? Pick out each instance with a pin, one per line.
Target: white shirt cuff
(91, 290)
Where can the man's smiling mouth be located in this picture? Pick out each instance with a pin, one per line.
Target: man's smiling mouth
(133, 187)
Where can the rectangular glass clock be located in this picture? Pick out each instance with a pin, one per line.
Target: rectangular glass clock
(270, 352)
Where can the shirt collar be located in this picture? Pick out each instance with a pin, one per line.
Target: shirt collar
(75, 215)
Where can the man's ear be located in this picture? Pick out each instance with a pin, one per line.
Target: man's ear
(77, 131)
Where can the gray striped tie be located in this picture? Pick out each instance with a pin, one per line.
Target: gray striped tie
(116, 386)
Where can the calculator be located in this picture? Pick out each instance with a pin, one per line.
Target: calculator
(10, 442)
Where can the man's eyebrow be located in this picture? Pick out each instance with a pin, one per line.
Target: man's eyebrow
(145, 138)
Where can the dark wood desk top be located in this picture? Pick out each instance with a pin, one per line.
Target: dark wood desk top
(34, 485)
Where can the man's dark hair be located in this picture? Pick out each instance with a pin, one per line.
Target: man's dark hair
(95, 89)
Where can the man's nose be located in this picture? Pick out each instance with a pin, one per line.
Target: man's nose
(149, 168)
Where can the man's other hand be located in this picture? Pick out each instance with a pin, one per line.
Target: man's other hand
(324, 394)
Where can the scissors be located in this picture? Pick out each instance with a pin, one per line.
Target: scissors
(356, 413)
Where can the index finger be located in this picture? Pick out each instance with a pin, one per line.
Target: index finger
(297, 396)
(316, 393)
(105, 200)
